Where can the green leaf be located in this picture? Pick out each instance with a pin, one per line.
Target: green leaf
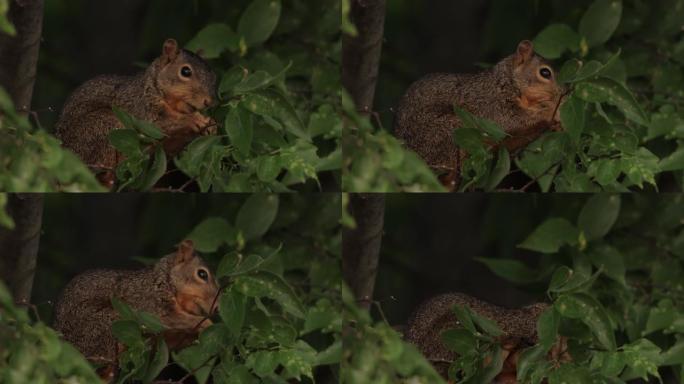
(459, 340)
(573, 117)
(270, 104)
(488, 127)
(125, 141)
(127, 331)
(240, 129)
(268, 168)
(598, 215)
(660, 317)
(213, 40)
(256, 215)
(156, 171)
(588, 310)
(674, 162)
(158, 363)
(610, 260)
(547, 327)
(512, 270)
(550, 236)
(501, 169)
(266, 284)
(211, 233)
(190, 160)
(145, 128)
(555, 39)
(608, 90)
(600, 21)
(259, 21)
(465, 317)
(232, 308)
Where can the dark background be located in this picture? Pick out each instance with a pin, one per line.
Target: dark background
(423, 37)
(86, 38)
(430, 241)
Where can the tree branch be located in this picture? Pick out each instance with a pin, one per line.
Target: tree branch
(361, 54)
(361, 245)
(19, 54)
(19, 246)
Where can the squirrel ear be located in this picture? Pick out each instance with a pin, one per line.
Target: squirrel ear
(170, 50)
(186, 251)
(524, 53)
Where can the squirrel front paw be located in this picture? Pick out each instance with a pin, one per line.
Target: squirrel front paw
(203, 124)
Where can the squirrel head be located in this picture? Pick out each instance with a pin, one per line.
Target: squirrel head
(185, 80)
(195, 285)
(535, 81)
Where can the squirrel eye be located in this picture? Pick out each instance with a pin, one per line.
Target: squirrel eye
(545, 73)
(186, 71)
(203, 274)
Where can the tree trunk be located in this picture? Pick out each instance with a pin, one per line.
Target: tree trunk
(19, 54)
(19, 246)
(361, 54)
(361, 245)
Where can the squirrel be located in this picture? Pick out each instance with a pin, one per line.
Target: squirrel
(169, 93)
(179, 289)
(436, 315)
(519, 93)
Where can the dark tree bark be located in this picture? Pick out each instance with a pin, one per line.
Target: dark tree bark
(19, 54)
(361, 245)
(361, 54)
(19, 246)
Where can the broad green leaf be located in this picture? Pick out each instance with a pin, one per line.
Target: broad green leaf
(598, 215)
(232, 308)
(270, 104)
(610, 261)
(127, 331)
(459, 340)
(660, 317)
(608, 90)
(674, 162)
(191, 159)
(600, 21)
(550, 236)
(501, 169)
(573, 117)
(156, 171)
(146, 128)
(213, 40)
(512, 270)
(240, 129)
(211, 233)
(256, 215)
(547, 327)
(259, 21)
(158, 363)
(555, 39)
(266, 284)
(125, 141)
(268, 168)
(490, 129)
(585, 308)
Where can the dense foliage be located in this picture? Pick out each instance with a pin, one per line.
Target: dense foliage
(612, 269)
(277, 261)
(623, 68)
(278, 120)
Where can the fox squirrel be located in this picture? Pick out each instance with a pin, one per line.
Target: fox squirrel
(170, 94)
(520, 94)
(436, 315)
(179, 289)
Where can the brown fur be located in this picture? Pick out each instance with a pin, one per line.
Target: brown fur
(170, 290)
(512, 94)
(436, 315)
(159, 95)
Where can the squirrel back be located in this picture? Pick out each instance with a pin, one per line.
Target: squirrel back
(436, 315)
(519, 94)
(179, 289)
(169, 93)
